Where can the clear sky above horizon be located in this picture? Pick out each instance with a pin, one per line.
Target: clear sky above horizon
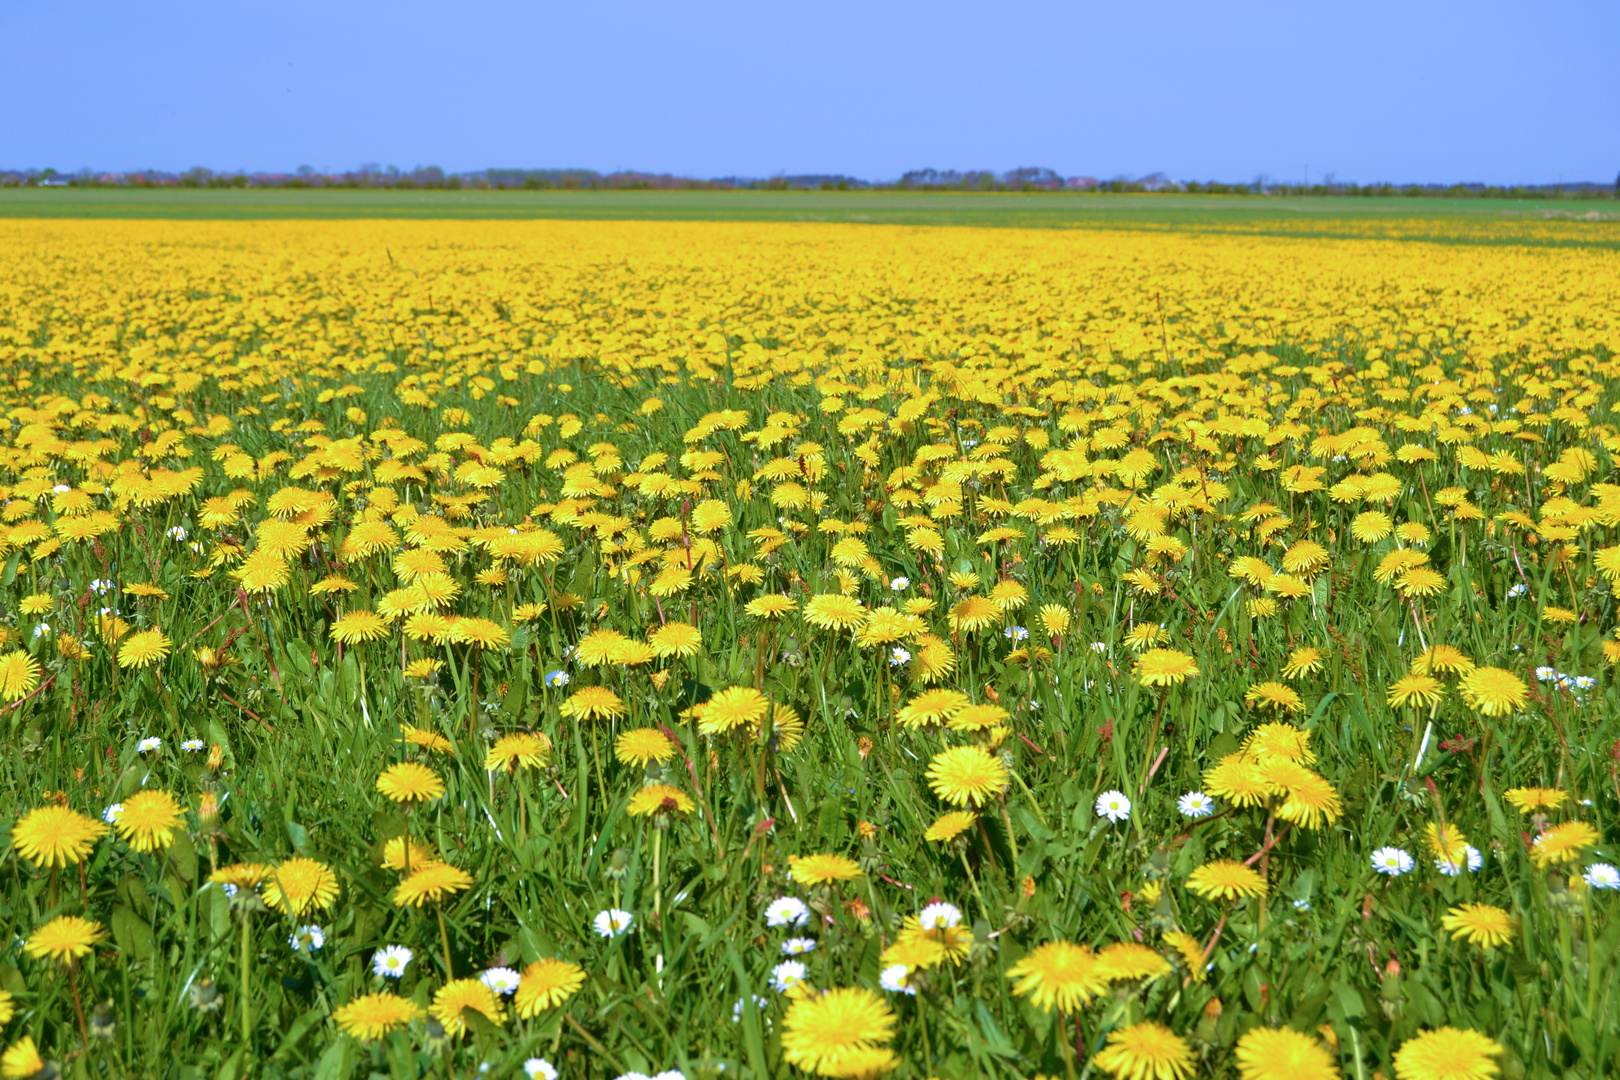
(1424, 92)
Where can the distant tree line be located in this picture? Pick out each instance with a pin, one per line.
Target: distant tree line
(1028, 179)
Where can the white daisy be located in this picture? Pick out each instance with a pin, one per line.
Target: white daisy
(612, 922)
(502, 980)
(1602, 876)
(1195, 804)
(539, 1069)
(894, 980)
(786, 975)
(1114, 806)
(191, 746)
(307, 939)
(900, 583)
(1392, 861)
(798, 946)
(389, 963)
(149, 744)
(786, 911)
(939, 916)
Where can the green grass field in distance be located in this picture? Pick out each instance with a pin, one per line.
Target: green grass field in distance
(1416, 218)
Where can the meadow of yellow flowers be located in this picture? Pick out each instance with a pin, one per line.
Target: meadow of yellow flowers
(616, 649)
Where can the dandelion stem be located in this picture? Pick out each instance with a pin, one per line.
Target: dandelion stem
(444, 941)
(243, 971)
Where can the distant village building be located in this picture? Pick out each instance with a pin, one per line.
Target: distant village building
(1082, 183)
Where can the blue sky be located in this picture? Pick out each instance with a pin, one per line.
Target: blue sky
(1419, 91)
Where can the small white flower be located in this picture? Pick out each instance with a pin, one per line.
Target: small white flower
(893, 979)
(1582, 682)
(1392, 861)
(1302, 905)
(1195, 804)
(900, 583)
(502, 980)
(737, 1009)
(176, 533)
(307, 939)
(1099, 646)
(389, 963)
(42, 629)
(786, 975)
(100, 587)
(939, 916)
(612, 922)
(556, 678)
(149, 744)
(1016, 633)
(230, 890)
(1602, 876)
(798, 946)
(1114, 806)
(1472, 860)
(670, 1074)
(113, 813)
(61, 489)
(191, 746)
(1546, 674)
(633, 1076)
(1517, 590)
(898, 656)
(786, 911)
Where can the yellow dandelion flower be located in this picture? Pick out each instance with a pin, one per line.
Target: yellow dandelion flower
(1479, 924)
(967, 775)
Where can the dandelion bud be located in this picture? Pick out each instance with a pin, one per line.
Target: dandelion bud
(216, 758)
